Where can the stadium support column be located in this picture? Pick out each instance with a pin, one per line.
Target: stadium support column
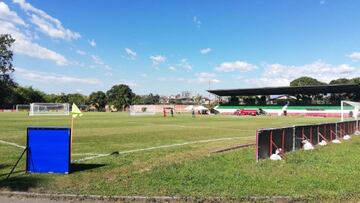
(293, 147)
(357, 118)
(336, 130)
(342, 109)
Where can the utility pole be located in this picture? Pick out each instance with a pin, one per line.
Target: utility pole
(209, 92)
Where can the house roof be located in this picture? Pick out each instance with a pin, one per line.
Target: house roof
(310, 90)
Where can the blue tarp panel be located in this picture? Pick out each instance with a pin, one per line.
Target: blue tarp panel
(48, 150)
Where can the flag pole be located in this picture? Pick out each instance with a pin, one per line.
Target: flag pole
(75, 112)
(71, 135)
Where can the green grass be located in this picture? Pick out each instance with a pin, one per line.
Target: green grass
(329, 173)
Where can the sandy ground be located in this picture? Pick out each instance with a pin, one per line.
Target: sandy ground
(17, 199)
(4, 199)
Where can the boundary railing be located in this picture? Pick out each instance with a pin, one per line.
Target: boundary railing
(290, 138)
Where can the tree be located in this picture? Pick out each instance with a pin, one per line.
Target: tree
(249, 100)
(335, 98)
(57, 98)
(6, 54)
(6, 68)
(261, 100)
(305, 81)
(151, 99)
(234, 100)
(356, 95)
(26, 95)
(98, 99)
(340, 81)
(137, 99)
(120, 96)
(77, 98)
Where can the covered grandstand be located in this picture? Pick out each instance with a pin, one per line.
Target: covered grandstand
(289, 108)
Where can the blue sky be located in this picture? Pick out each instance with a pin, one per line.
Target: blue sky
(166, 47)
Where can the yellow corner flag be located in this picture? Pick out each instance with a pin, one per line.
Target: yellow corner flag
(75, 111)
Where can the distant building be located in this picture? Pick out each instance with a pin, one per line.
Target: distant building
(185, 94)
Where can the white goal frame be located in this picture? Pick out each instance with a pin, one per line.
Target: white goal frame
(355, 111)
(142, 110)
(23, 105)
(49, 109)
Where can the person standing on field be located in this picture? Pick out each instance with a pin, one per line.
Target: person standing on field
(193, 113)
(172, 112)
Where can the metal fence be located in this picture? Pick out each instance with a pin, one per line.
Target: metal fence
(290, 138)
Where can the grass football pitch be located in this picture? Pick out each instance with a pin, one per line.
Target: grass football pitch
(172, 157)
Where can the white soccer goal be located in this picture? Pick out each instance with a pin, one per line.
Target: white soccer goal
(49, 109)
(139, 110)
(350, 110)
(22, 107)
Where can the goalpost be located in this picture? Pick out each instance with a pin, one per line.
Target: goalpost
(49, 109)
(350, 111)
(141, 110)
(22, 107)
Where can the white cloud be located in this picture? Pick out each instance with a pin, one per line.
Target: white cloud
(205, 77)
(10, 16)
(354, 56)
(92, 43)
(24, 45)
(184, 64)
(97, 60)
(47, 78)
(282, 75)
(129, 83)
(205, 50)
(235, 66)
(161, 79)
(54, 31)
(157, 59)
(131, 54)
(144, 75)
(81, 52)
(197, 22)
(198, 78)
(109, 74)
(107, 67)
(46, 23)
(100, 63)
(132, 84)
(172, 68)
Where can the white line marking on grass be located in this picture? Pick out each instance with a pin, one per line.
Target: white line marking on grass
(12, 144)
(163, 146)
(85, 154)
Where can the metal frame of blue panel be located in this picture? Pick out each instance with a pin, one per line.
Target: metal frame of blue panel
(49, 150)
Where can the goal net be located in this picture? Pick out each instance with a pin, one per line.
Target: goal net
(350, 110)
(22, 107)
(49, 109)
(139, 110)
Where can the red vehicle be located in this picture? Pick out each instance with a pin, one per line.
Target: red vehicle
(246, 112)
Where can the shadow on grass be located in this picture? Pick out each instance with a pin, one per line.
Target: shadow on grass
(76, 167)
(15, 172)
(4, 166)
(20, 183)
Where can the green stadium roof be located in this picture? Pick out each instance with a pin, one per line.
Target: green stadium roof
(310, 90)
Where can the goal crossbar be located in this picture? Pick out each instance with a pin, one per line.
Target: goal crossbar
(355, 110)
(49, 109)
